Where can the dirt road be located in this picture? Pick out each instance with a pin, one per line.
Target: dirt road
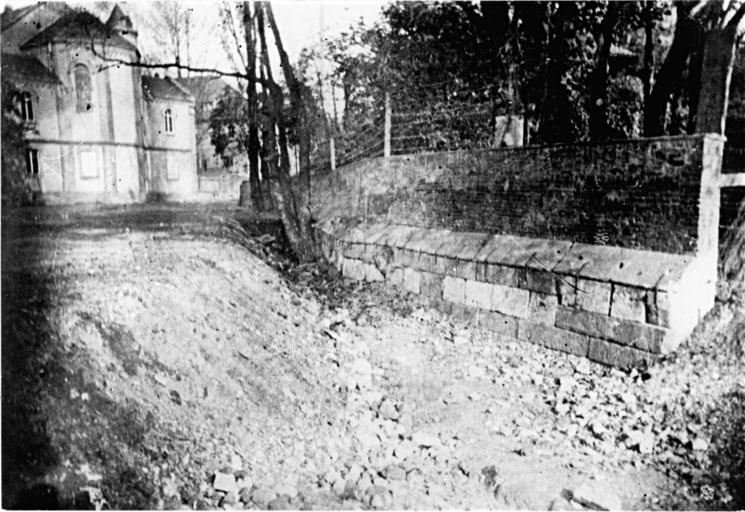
(158, 356)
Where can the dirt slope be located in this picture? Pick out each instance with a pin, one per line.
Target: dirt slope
(145, 351)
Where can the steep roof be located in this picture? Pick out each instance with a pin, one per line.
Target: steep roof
(205, 89)
(78, 25)
(28, 68)
(156, 87)
(120, 22)
(11, 15)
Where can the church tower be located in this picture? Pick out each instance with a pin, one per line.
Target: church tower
(121, 24)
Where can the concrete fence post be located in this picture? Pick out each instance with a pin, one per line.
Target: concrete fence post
(332, 153)
(387, 127)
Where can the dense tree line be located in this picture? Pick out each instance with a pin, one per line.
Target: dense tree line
(576, 70)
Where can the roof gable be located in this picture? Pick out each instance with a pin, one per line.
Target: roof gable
(79, 25)
(155, 87)
(205, 89)
(27, 68)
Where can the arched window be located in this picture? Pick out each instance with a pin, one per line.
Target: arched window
(83, 87)
(169, 120)
(27, 106)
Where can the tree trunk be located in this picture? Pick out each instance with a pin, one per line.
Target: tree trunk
(648, 70)
(718, 61)
(556, 109)
(670, 74)
(695, 67)
(300, 122)
(599, 82)
(253, 115)
(295, 216)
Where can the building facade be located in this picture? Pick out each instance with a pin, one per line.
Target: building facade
(96, 129)
(220, 175)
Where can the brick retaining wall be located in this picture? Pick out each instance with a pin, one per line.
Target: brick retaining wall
(449, 226)
(642, 194)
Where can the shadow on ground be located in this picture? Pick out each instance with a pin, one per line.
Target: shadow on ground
(40, 468)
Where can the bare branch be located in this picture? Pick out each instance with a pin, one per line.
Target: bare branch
(231, 41)
(735, 22)
(170, 65)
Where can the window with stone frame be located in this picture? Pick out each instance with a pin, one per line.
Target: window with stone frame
(27, 106)
(32, 162)
(168, 117)
(83, 91)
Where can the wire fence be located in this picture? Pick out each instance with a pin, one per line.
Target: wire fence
(440, 126)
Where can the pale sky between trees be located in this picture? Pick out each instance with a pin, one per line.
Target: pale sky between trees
(300, 22)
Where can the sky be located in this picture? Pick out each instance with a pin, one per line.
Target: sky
(299, 21)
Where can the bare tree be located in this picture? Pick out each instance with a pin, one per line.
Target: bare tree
(174, 26)
(238, 38)
(292, 207)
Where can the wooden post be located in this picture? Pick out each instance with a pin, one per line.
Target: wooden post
(332, 153)
(387, 127)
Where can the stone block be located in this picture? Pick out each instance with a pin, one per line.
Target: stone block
(427, 262)
(500, 274)
(517, 251)
(542, 281)
(428, 240)
(356, 251)
(342, 264)
(542, 308)
(375, 232)
(629, 303)
(408, 259)
(619, 356)
(371, 252)
(658, 308)
(397, 236)
(523, 329)
(478, 294)
(558, 339)
(645, 337)
(431, 285)
(383, 258)
(630, 267)
(585, 294)
(545, 254)
(465, 269)
(480, 271)
(353, 269)
(499, 323)
(445, 265)
(346, 249)
(395, 277)
(463, 245)
(454, 289)
(510, 301)
(372, 274)
(412, 280)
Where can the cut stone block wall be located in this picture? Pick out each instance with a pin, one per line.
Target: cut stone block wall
(620, 307)
(499, 236)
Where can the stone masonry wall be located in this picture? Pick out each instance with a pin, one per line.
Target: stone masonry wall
(615, 306)
(642, 194)
(452, 226)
